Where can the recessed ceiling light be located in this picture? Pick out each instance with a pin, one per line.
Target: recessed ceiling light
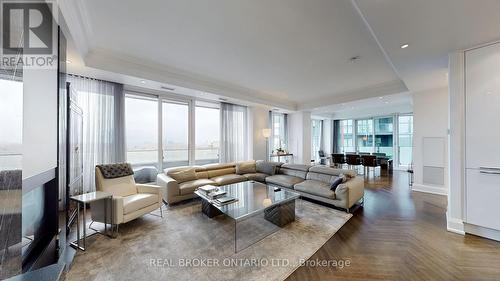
(386, 102)
(405, 46)
(381, 98)
(68, 61)
(143, 81)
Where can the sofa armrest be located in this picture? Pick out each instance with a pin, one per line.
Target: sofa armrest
(150, 188)
(169, 187)
(351, 191)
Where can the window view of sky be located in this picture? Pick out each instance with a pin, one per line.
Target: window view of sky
(141, 126)
(11, 124)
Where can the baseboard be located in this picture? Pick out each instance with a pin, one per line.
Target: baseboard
(430, 189)
(455, 225)
(482, 231)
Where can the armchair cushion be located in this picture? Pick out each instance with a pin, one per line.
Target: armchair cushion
(123, 186)
(111, 171)
(138, 201)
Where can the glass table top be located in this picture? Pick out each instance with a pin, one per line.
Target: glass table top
(253, 197)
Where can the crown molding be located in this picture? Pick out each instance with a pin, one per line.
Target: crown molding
(76, 24)
(388, 88)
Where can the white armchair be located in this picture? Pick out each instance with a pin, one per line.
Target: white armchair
(130, 200)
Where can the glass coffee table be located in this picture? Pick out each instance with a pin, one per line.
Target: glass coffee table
(259, 211)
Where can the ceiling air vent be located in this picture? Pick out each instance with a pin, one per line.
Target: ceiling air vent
(167, 88)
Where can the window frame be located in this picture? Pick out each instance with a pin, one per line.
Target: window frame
(192, 103)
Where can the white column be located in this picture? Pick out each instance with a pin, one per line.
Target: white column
(455, 212)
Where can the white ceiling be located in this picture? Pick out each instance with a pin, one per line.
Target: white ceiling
(291, 54)
(433, 29)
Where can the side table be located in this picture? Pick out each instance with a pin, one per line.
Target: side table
(83, 200)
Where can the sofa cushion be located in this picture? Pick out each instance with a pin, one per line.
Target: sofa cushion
(256, 177)
(266, 167)
(246, 167)
(138, 201)
(320, 177)
(315, 187)
(284, 180)
(292, 172)
(190, 186)
(184, 175)
(228, 179)
(332, 171)
(221, 172)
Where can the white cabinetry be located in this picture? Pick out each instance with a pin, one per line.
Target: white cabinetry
(482, 136)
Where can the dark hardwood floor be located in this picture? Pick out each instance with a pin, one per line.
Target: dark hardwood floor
(401, 235)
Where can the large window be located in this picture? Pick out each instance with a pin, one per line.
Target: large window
(141, 124)
(279, 131)
(316, 137)
(364, 134)
(377, 135)
(345, 136)
(175, 141)
(207, 133)
(11, 116)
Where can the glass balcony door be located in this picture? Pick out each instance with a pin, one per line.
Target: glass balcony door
(175, 133)
(384, 135)
(405, 139)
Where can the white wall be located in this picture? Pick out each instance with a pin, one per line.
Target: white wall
(430, 120)
(299, 136)
(258, 119)
(39, 121)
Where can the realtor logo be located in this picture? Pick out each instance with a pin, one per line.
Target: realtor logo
(29, 31)
(27, 28)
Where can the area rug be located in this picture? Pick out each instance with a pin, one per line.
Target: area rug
(186, 245)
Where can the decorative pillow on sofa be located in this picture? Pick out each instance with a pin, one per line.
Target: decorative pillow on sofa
(335, 183)
(265, 167)
(183, 175)
(245, 168)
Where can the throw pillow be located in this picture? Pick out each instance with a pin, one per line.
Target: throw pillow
(245, 168)
(183, 175)
(335, 183)
(343, 177)
(265, 167)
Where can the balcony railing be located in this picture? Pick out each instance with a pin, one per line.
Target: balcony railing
(10, 161)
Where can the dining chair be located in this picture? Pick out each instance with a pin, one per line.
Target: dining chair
(338, 159)
(370, 161)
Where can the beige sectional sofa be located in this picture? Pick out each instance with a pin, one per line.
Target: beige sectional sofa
(179, 184)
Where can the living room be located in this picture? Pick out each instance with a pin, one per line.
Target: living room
(243, 140)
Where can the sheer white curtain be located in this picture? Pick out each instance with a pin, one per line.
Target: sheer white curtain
(103, 105)
(234, 133)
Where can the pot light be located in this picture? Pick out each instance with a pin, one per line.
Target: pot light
(405, 46)
(143, 81)
(68, 61)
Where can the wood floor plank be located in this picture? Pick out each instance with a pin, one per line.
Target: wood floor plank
(401, 235)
